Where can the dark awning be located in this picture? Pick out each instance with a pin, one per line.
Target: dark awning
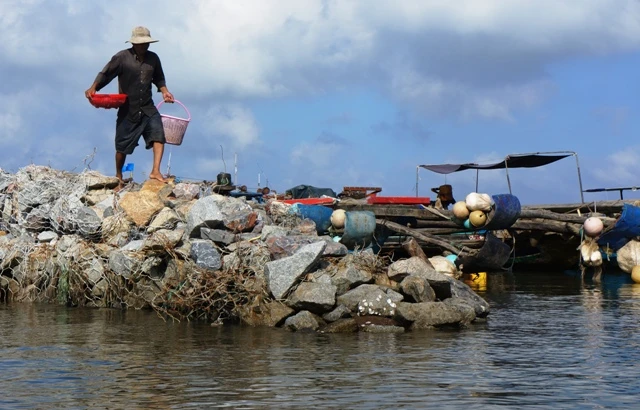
(510, 161)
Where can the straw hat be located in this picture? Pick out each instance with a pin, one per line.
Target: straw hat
(141, 35)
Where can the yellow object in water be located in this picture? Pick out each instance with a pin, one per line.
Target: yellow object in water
(635, 274)
(476, 281)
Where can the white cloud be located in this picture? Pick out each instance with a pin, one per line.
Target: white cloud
(315, 155)
(619, 169)
(428, 54)
(233, 124)
(10, 125)
(210, 167)
(466, 59)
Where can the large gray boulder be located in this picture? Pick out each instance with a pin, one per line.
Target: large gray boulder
(379, 302)
(125, 263)
(417, 289)
(352, 298)
(427, 315)
(446, 287)
(350, 277)
(221, 236)
(217, 211)
(167, 218)
(400, 269)
(283, 246)
(461, 290)
(268, 313)
(283, 273)
(316, 297)
(304, 320)
(340, 312)
(205, 255)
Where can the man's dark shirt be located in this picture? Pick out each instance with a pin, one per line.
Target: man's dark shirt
(134, 79)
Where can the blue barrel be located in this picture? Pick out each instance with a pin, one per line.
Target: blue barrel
(359, 228)
(626, 228)
(505, 212)
(319, 214)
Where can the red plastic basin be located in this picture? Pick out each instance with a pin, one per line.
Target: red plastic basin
(108, 100)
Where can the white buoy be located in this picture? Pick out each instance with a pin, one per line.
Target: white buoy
(338, 218)
(460, 210)
(478, 202)
(593, 227)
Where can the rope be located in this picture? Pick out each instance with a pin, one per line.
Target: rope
(169, 160)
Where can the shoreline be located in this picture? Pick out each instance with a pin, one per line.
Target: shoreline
(68, 238)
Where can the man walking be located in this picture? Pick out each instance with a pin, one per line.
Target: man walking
(136, 68)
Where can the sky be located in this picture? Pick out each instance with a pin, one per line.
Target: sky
(335, 93)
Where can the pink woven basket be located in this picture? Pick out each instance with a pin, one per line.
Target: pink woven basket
(174, 127)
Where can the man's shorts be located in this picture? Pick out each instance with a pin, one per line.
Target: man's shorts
(128, 133)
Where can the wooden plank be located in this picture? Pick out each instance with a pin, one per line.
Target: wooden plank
(393, 211)
(605, 207)
(547, 226)
(546, 214)
(420, 236)
(555, 212)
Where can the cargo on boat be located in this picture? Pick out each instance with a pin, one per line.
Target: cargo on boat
(496, 232)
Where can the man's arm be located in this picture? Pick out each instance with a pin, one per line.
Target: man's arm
(104, 77)
(159, 81)
(166, 95)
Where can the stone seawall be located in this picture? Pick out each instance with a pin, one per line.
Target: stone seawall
(68, 238)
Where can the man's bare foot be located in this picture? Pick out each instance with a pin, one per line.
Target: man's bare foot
(121, 183)
(157, 176)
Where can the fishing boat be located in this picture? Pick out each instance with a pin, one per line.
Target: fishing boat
(532, 236)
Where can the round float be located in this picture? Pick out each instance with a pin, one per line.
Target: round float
(460, 210)
(337, 218)
(478, 218)
(593, 226)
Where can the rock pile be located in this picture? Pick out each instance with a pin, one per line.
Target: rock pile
(69, 238)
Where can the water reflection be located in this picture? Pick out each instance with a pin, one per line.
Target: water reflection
(552, 339)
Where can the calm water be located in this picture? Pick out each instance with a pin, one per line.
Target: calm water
(550, 341)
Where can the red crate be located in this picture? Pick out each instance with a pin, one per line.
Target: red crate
(398, 200)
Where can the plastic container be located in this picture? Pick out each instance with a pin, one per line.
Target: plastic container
(319, 214)
(174, 127)
(107, 100)
(626, 228)
(492, 256)
(359, 228)
(505, 212)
